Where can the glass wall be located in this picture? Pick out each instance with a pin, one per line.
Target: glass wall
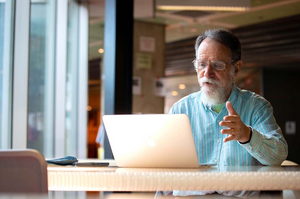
(50, 43)
(41, 77)
(72, 77)
(6, 47)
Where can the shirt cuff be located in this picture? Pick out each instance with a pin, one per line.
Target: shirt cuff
(255, 141)
(249, 138)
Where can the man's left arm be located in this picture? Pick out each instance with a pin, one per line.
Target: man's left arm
(263, 139)
(267, 143)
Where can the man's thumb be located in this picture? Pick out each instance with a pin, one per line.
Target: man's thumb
(230, 108)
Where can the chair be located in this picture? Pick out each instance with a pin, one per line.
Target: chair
(23, 171)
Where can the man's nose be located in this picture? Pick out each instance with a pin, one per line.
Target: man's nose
(208, 71)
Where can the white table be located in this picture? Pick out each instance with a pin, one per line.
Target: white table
(70, 178)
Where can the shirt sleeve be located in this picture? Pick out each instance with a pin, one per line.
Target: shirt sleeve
(267, 144)
(177, 108)
(171, 111)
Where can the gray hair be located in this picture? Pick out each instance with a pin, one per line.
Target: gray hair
(224, 37)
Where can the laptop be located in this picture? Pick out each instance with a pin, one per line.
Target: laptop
(151, 140)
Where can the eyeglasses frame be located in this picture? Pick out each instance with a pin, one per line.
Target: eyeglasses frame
(208, 62)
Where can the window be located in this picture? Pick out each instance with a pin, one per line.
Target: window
(72, 78)
(41, 77)
(6, 49)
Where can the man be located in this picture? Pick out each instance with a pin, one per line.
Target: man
(231, 127)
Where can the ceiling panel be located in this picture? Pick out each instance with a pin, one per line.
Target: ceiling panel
(263, 15)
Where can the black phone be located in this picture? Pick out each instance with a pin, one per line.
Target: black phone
(208, 164)
(92, 164)
(67, 160)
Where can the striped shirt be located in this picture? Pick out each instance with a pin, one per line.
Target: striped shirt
(266, 147)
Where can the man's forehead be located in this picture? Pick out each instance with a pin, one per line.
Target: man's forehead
(212, 48)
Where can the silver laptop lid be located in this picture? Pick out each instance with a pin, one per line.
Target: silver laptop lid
(155, 140)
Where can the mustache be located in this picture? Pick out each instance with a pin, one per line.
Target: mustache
(210, 80)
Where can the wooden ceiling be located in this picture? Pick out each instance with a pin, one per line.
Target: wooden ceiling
(270, 44)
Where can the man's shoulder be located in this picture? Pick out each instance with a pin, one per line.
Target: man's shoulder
(253, 97)
(186, 104)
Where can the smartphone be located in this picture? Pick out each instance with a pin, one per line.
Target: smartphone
(208, 164)
(92, 164)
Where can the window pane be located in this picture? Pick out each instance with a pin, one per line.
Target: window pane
(6, 30)
(41, 77)
(72, 79)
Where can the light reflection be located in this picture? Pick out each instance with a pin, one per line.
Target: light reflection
(174, 93)
(101, 50)
(181, 86)
(203, 8)
(88, 108)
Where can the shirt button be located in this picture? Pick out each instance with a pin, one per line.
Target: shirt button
(218, 120)
(216, 160)
(218, 141)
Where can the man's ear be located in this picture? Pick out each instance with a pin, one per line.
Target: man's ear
(237, 67)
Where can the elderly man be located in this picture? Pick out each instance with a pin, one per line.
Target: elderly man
(231, 127)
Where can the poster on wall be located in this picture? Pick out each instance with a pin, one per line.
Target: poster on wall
(159, 86)
(143, 61)
(147, 44)
(137, 86)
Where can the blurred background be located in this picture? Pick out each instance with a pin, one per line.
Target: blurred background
(52, 63)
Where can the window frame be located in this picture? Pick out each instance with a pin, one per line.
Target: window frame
(6, 118)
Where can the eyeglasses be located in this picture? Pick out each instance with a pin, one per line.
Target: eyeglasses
(216, 65)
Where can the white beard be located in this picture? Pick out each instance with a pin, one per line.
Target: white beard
(213, 95)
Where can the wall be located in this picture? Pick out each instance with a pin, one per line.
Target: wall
(282, 89)
(147, 101)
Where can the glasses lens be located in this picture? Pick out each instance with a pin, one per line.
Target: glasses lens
(202, 64)
(218, 65)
